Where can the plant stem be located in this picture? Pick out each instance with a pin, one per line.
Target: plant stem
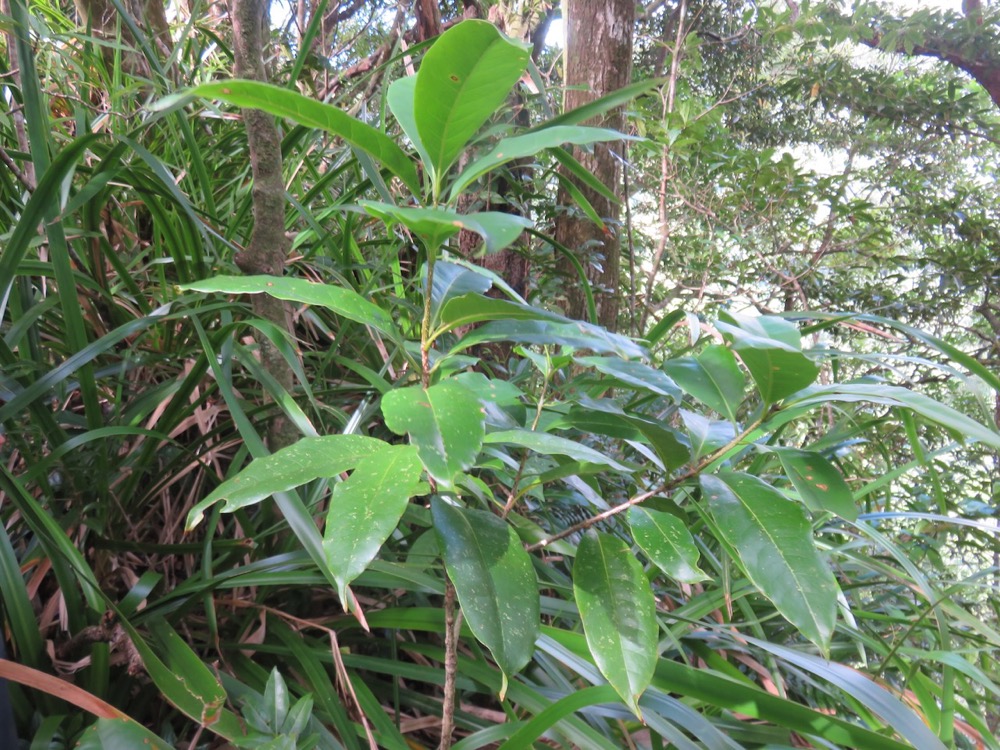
(451, 624)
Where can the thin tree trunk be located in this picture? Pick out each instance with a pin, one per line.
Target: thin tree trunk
(598, 61)
(268, 246)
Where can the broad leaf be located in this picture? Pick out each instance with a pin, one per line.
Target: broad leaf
(635, 374)
(400, 100)
(667, 542)
(575, 334)
(365, 509)
(618, 613)
(445, 422)
(118, 734)
(706, 435)
(308, 459)
(712, 377)
(315, 114)
(529, 144)
(464, 77)
(546, 444)
(468, 309)
(452, 280)
(494, 580)
(434, 226)
(774, 542)
(771, 349)
(345, 302)
(606, 417)
(891, 395)
(820, 485)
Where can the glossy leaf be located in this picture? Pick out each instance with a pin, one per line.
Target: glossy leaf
(366, 508)
(606, 417)
(712, 377)
(891, 395)
(529, 144)
(574, 334)
(469, 309)
(706, 435)
(618, 613)
(635, 374)
(820, 485)
(667, 542)
(452, 280)
(771, 349)
(445, 423)
(464, 77)
(400, 100)
(288, 468)
(774, 542)
(308, 111)
(494, 579)
(345, 302)
(546, 444)
(118, 734)
(434, 226)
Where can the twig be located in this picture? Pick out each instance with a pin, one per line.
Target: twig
(451, 625)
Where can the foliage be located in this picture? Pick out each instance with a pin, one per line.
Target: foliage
(726, 534)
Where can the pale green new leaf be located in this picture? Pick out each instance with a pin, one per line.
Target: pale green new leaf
(118, 734)
(667, 542)
(494, 580)
(445, 422)
(618, 612)
(774, 542)
(308, 459)
(365, 509)
(464, 77)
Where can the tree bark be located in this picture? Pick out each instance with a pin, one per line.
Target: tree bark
(598, 61)
(268, 246)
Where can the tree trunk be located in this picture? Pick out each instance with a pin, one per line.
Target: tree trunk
(268, 246)
(598, 61)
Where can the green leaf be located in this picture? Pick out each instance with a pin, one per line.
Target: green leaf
(118, 734)
(635, 374)
(891, 395)
(345, 302)
(706, 434)
(575, 334)
(597, 107)
(308, 459)
(468, 309)
(464, 77)
(606, 417)
(434, 226)
(820, 485)
(366, 508)
(667, 542)
(445, 422)
(452, 280)
(529, 144)
(618, 613)
(774, 542)
(400, 100)
(712, 377)
(184, 678)
(494, 580)
(771, 350)
(315, 114)
(546, 444)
